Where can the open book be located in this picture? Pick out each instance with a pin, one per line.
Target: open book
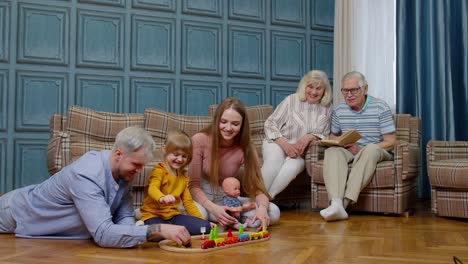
(347, 138)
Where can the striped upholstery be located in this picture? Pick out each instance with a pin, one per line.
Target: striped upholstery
(447, 166)
(393, 186)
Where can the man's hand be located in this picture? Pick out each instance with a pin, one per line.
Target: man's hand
(177, 233)
(167, 199)
(353, 148)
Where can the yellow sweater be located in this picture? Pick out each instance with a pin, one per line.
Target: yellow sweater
(161, 182)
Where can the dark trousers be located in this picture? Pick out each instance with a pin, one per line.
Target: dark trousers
(192, 223)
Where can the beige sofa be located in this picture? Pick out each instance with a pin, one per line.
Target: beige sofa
(81, 130)
(447, 166)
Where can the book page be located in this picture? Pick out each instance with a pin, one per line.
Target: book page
(349, 137)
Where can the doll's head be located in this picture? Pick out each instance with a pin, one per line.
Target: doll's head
(177, 149)
(231, 187)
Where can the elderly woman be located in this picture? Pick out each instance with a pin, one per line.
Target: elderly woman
(299, 119)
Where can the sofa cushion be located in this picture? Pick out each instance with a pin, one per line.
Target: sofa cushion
(93, 130)
(158, 123)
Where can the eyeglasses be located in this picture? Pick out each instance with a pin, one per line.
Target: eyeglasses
(353, 91)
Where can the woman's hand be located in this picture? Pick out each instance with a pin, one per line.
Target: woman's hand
(167, 199)
(303, 142)
(261, 214)
(290, 150)
(222, 216)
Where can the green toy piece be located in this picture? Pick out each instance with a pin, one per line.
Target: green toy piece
(241, 229)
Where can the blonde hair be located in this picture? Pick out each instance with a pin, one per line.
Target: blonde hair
(178, 140)
(251, 179)
(315, 77)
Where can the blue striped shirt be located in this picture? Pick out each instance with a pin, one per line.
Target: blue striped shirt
(373, 121)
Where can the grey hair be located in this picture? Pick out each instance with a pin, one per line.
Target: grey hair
(131, 139)
(314, 77)
(362, 78)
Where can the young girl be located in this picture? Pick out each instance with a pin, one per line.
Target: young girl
(167, 187)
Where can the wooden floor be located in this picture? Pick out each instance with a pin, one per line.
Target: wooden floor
(300, 237)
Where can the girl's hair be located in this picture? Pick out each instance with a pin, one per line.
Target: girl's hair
(315, 77)
(178, 140)
(251, 179)
(131, 139)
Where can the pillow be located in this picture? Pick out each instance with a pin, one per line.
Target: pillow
(158, 123)
(93, 130)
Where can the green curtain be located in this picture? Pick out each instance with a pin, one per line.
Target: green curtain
(432, 70)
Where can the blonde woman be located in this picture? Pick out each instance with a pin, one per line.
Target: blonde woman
(299, 119)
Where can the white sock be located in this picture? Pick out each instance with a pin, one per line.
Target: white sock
(335, 211)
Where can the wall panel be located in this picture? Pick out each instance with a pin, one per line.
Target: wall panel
(250, 94)
(30, 162)
(201, 52)
(100, 39)
(3, 157)
(288, 55)
(4, 31)
(43, 34)
(128, 55)
(153, 44)
(246, 52)
(151, 93)
(38, 96)
(196, 96)
(3, 99)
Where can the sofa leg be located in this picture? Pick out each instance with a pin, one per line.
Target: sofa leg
(407, 213)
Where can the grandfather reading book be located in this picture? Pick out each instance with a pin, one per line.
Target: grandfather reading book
(351, 136)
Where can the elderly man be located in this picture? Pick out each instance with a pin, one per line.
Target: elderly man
(372, 118)
(89, 198)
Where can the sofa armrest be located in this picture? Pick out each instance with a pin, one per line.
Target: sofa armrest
(444, 150)
(314, 153)
(407, 160)
(59, 143)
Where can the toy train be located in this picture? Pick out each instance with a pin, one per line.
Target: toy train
(215, 241)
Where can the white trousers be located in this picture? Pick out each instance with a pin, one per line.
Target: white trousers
(278, 169)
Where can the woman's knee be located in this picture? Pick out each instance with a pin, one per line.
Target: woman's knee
(274, 213)
(272, 152)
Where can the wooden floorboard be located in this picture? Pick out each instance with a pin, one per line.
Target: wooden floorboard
(300, 237)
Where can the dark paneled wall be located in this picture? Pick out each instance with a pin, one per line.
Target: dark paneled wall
(128, 55)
